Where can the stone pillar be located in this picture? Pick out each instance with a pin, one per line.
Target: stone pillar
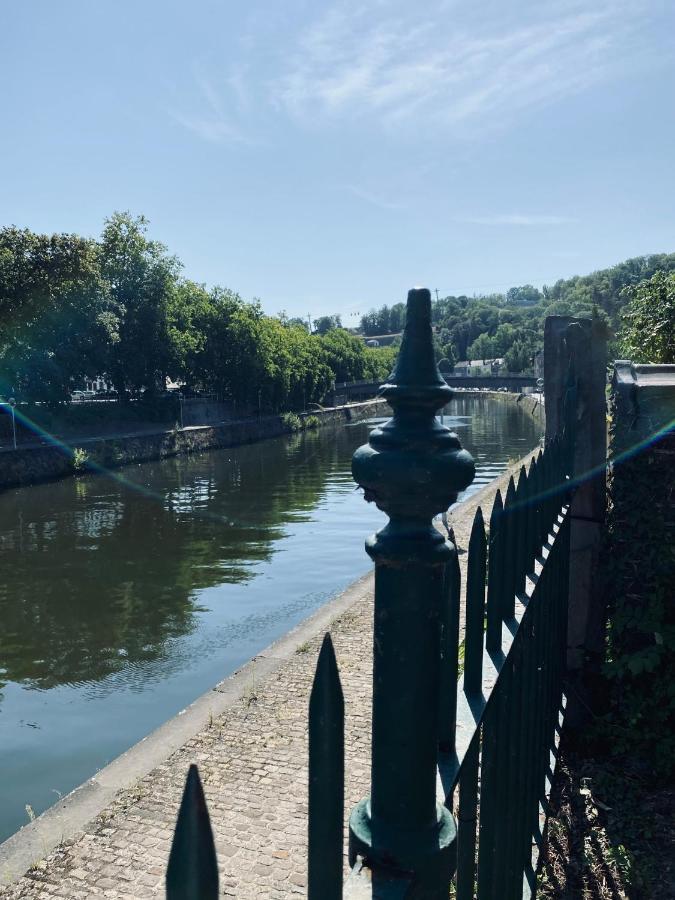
(583, 342)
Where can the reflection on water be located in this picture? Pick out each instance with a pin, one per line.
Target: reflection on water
(122, 602)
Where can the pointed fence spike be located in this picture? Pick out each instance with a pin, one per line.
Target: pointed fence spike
(192, 871)
(510, 524)
(475, 606)
(326, 779)
(495, 576)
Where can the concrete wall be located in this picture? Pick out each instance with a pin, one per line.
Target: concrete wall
(33, 464)
(644, 403)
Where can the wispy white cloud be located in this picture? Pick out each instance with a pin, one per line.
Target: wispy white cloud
(373, 199)
(464, 66)
(516, 219)
(213, 116)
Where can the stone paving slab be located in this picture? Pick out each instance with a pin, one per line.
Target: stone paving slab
(253, 763)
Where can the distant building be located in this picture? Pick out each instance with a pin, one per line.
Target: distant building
(479, 367)
(383, 340)
(100, 384)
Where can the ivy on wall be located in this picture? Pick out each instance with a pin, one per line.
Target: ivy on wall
(639, 665)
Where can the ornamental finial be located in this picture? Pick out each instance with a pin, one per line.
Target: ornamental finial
(413, 466)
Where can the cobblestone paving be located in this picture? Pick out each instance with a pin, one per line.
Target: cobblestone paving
(253, 764)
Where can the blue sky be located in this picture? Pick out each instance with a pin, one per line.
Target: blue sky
(325, 157)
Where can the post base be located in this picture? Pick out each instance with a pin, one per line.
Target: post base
(429, 856)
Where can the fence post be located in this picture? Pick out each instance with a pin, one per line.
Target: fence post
(581, 342)
(412, 468)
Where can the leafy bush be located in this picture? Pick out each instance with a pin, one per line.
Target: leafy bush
(311, 422)
(80, 459)
(291, 421)
(648, 333)
(639, 665)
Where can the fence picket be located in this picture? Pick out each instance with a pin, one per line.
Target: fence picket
(521, 530)
(192, 871)
(475, 607)
(495, 576)
(326, 779)
(449, 655)
(466, 822)
(508, 597)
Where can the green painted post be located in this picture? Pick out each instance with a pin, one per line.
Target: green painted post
(326, 779)
(413, 469)
(447, 708)
(495, 577)
(192, 871)
(475, 607)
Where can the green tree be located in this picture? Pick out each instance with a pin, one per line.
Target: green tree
(648, 322)
(482, 348)
(142, 279)
(519, 357)
(56, 314)
(324, 324)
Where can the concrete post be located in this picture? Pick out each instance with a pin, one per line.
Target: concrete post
(583, 342)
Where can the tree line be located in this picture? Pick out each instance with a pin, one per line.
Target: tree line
(511, 325)
(73, 307)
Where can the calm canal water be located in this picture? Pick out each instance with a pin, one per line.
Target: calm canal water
(124, 597)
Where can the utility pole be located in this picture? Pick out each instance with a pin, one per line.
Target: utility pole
(436, 292)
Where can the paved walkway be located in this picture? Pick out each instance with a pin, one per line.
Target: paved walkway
(253, 763)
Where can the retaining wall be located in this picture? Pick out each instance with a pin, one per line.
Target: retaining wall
(28, 465)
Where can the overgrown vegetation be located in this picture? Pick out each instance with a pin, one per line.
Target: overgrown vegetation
(511, 325)
(609, 832)
(648, 333)
(613, 805)
(639, 667)
(640, 558)
(291, 421)
(80, 459)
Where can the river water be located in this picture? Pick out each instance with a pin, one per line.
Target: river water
(123, 597)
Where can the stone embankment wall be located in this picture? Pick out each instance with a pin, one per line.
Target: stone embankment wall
(533, 404)
(29, 465)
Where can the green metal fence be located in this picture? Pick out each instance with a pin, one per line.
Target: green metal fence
(460, 759)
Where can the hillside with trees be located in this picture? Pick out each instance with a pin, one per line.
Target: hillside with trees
(511, 325)
(119, 306)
